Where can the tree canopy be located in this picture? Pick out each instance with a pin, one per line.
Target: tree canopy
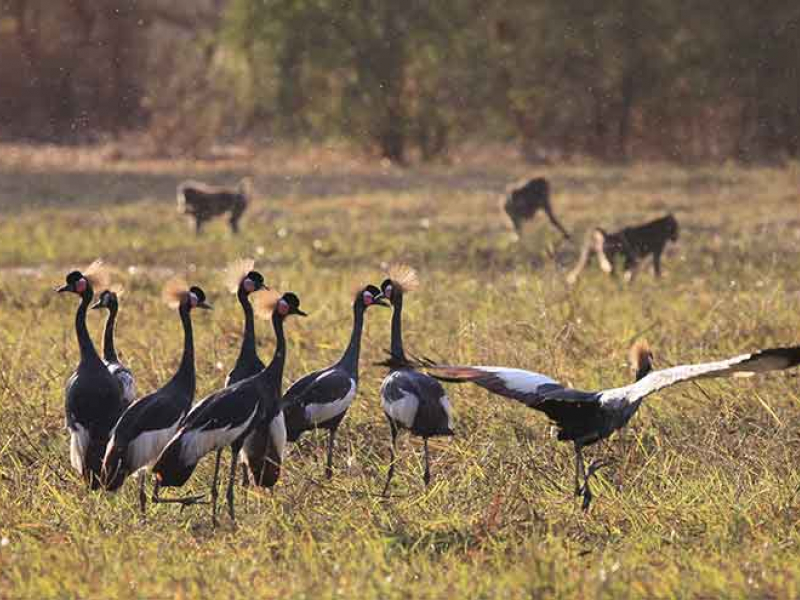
(622, 79)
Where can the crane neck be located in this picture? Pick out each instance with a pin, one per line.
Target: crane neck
(275, 367)
(349, 360)
(109, 350)
(248, 352)
(396, 346)
(185, 375)
(88, 352)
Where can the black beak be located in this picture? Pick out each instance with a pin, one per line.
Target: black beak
(299, 313)
(380, 301)
(204, 305)
(63, 288)
(263, 286)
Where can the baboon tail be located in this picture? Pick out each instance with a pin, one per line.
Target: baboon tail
(550, 215)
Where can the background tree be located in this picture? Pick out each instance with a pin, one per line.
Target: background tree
(617, 80)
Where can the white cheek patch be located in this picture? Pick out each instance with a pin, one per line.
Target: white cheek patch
(249, 286)
(368, 298)
(283, 307)
(193, 300)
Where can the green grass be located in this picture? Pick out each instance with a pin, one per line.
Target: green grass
(701, 500)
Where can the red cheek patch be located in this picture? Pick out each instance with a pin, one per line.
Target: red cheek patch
(249, 286)
(80, 286)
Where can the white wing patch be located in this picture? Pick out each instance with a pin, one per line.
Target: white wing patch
(319, 413)
(519, 380)
(126, 381)
(277, 429)
(196, 443)
(445, 402)
(403, 410)
(744, 365)
(78, 444)
(145, 448)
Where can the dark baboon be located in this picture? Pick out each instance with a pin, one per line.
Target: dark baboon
(522, 202)
(632, 243)
(204, 202)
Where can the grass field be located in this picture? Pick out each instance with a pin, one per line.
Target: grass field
(701, 500)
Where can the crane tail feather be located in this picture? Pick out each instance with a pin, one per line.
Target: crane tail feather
(772, 359)
(455, 374)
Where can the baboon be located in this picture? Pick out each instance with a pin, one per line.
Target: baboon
(204, 202)
(633, 243)
(522, 201)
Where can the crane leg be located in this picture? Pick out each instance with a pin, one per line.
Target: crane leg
(427, 476)
(184, 502)
(583, 474)
(391, 464)
(245, 483)
(142, 493)
(580, 474)
(329, 464)
(231, 480)
(215, 490)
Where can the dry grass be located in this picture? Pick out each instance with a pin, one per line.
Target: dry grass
(701, 500)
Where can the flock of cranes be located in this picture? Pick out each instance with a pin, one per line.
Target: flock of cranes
(114, 435)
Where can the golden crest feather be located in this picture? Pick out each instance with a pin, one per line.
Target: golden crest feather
(404, 277)
(174, 291)
(98, 275)
(639, 354)
(235, 272)
(264, 302)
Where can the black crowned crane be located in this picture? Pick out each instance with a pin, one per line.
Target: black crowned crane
(320, 399)
(263, 448)
(93, 396)
(411, 400)
(262, 452)
(585, 418)
(149, 423)
(242, 280)
(226, 417)
(109, 299)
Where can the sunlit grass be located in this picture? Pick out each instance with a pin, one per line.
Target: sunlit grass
(701, 499)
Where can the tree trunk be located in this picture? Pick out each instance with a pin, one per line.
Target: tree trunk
(626, 110)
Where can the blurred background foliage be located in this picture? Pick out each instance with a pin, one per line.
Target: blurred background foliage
(683, 80)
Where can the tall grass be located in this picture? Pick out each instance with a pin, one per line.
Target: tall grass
(701, 498)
